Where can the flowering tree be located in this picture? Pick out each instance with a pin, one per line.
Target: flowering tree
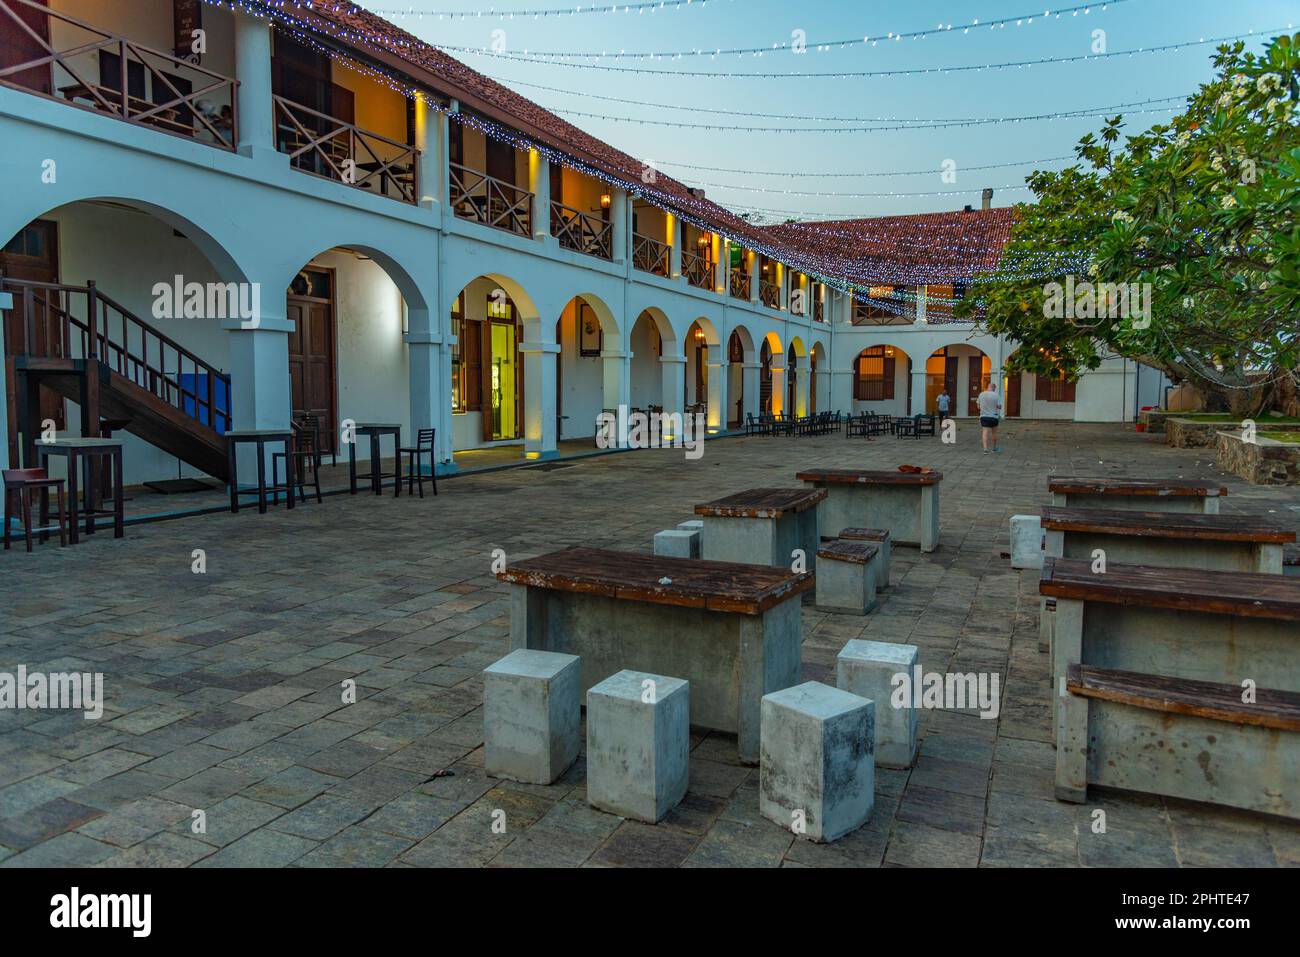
(1197, 220)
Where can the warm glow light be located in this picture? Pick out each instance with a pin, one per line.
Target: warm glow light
(605, 200)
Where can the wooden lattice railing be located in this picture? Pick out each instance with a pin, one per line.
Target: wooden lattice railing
(103, 71)
(483, 199)
(318, 143)
(650, 255)
(581, 232)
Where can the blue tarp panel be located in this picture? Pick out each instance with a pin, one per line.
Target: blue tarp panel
(198, 383)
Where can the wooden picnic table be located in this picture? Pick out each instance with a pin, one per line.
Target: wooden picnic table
(734, 631)
(1150, 671)
(766, 526)
(904, 503)
(1164, 495)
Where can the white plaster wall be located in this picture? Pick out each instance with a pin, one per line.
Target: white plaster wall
(647, 387)
(582, 381)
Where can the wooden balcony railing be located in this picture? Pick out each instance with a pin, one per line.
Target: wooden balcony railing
(650, 255)
(98, 70)
(492, 202)
(319, 144)
(891, 311)
(769, 293)
(698, 270)
(739, 284)
(581, 232)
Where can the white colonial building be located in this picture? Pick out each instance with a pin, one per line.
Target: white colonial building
(219, 218)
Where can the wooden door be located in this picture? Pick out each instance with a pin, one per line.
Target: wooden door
(950, 365)
(313, 360)
(18, 46)
(975, 383)
(32, 255)
(500, 160)
(1013, 394)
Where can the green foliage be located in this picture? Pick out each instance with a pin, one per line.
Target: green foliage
(1204, 208)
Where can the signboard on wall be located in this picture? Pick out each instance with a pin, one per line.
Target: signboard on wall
(187, 16)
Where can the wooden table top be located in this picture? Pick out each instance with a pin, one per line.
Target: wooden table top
(72, 442)
(1243, 594)
(684, 582)
(1128, 486)
(1209, 528)
(869, 477)
(763, 503)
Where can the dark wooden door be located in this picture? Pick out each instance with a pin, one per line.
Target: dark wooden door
(1013, 394)
(313, 361)
(950, 365)
(975, 385)
(17, 45)
(32, 255)
(500, 160)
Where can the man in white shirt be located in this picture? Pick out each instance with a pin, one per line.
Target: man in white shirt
(943, 402)
(990, 414)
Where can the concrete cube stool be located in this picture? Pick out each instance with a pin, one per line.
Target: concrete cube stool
(867, 669)
(883, 539)
(847, 577)
(677, 543)
(1026, 541)
(694, 525)
(532, 715)
(817, 769)
(638, 743)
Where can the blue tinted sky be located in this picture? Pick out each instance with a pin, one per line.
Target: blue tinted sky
(749, 23)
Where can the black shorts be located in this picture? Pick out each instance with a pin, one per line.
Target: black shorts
(989, 421)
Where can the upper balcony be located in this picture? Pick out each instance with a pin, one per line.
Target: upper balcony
(121, 67)
(697, 257)
(341, 125)
(769, 283)
(652, 240)
(885, 306)
(581, 208)
(485, 178)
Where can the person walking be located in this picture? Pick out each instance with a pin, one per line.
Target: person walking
(943, 402)
(990, 414)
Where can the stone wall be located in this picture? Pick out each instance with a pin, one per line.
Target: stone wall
(1264, 462)
(1154, 420)
(1191, 434)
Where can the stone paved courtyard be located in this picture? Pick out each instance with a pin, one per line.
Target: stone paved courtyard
(224, 689)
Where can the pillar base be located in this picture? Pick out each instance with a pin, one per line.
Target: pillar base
(542, 456)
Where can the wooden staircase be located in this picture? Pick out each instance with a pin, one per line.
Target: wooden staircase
(87, 348)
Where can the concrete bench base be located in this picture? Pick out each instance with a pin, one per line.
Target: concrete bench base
(909, 512)
(1200, 505)
(1026, 541)
(1184, 756)
(847, 587)
(761, 541)
(867, 669)
(531, 716)
(677, 543)
(638, 744)
(817, 774)
(731, 660)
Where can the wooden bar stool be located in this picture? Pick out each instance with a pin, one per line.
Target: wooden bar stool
(20, 483)
(415, 457)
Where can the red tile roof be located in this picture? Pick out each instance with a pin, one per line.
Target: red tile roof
(820, 252)
(908, 250)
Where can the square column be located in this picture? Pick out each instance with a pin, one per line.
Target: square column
(918, 390)
(754, 278)
(778, 384)
(431, 135)
(802, 380)
(255, 109)
(429, 398)
(750, 372)
(674, 381)
(539, 184)
(716, 379)
(722, 264)
(620, 220)
(539, 399)
(616, 369)
(675, 252)
(259, 382)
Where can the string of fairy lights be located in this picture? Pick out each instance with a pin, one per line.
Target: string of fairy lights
(878, 74)
(651, 6)
(316, 25)
(770, 115)
(798, 44)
